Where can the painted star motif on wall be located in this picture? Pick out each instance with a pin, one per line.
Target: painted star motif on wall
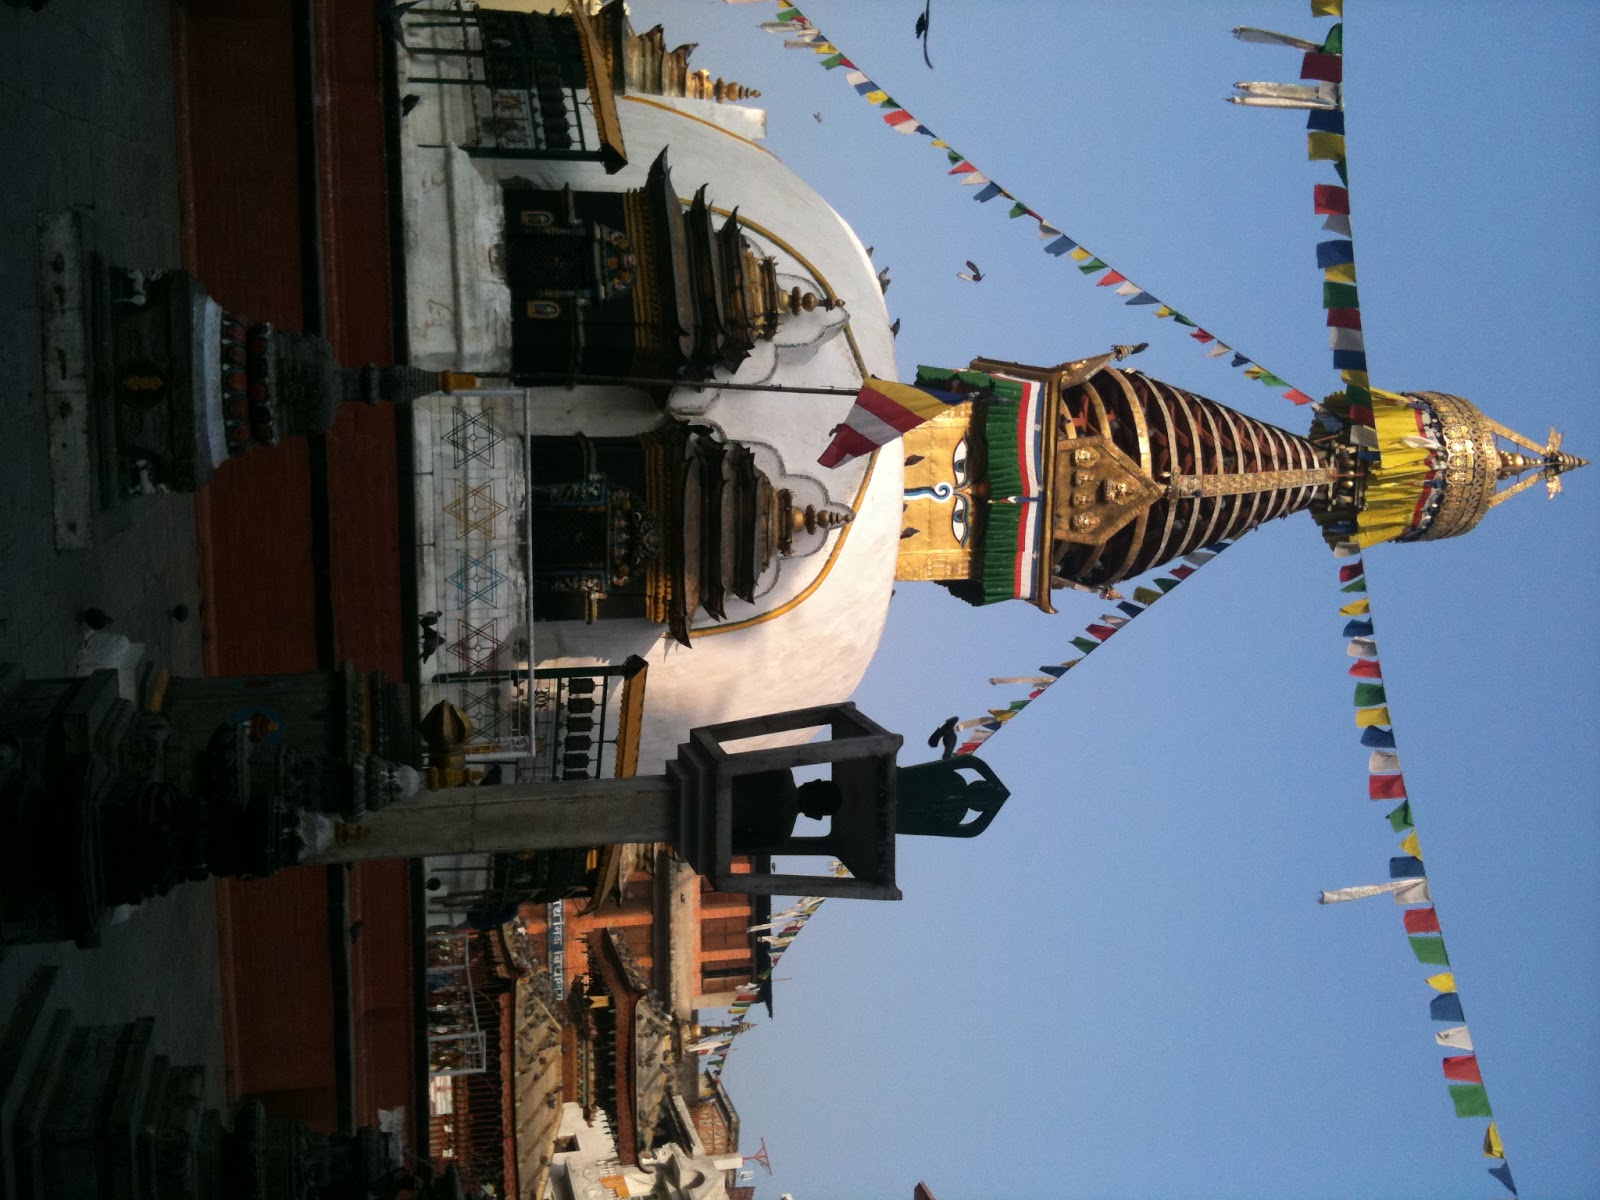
(477, 647)
(476, 579)
(474, 509)
(473, 436)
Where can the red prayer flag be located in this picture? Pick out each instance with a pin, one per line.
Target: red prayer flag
(1110, 277)
(1296, 396)
(963, 168)
(1386, 787)
(1462, 1068)
(1421, 920)
(1344, 318)
(1327, 67)
(1351, 571)
(1100, 632)
(1366, 668)
(1360, 414)
(897, 116)
(1201, 336)
(1330, 200)
(1182, 572)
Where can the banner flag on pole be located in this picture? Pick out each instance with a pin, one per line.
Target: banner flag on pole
(1366, 717)
(1400, 818)
(1380, 761)
(1382, 739)
(1341, 895)
(1410, 844)
(1386, 787)
(1370, 695)
(1362, 647)
(1415, 892)
(1406, 868)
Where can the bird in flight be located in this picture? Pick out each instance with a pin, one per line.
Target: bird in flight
(817, 117)
(971, 274)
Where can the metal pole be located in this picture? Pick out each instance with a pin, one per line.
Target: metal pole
(512, 817)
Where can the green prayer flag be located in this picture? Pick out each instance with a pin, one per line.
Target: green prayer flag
(1018, 209)
(1085, 644)
(1344, 172)
(1183, 320)
(1470, 1099)
(1370, 695)
(1400, 818)
(1165, 584)
(1146, 595)
(1339, 295)
(1429, 950)
(890, 102)
(1355, 585)
(1271, 380)
(1094, 264)
(1355, 394)
(1334, 42)
(953, 156)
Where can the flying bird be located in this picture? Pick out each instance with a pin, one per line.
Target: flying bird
(945, 737)
(971, 274)
(817, 117)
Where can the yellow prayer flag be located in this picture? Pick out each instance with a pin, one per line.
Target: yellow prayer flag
(876, 97)
(824, 48)
(1355, 608)
(1492, 1146)
(1343, 273)
(1410, 845)
(1366, 717)
(1079, 254)
(1327, 8)
(1354, 378)
(1163, 311)
(1325, 146)
(940, 143)
(1445, 981)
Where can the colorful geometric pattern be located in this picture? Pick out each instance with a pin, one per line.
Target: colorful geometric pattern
(474, 509)
(484, 709)
(473, 436)
(478, 646)
(476, 579)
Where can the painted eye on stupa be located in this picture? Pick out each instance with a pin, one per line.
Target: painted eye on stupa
(958, 520)
(958, 461)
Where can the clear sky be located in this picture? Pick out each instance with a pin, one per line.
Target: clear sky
(1125, 987)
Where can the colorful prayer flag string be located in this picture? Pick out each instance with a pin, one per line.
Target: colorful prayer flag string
(1057, 244)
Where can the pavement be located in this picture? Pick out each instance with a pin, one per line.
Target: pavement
(87, 122)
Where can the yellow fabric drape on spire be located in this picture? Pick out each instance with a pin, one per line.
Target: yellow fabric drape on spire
(1395, 482)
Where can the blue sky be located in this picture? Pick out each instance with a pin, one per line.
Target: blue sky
(1125, 987)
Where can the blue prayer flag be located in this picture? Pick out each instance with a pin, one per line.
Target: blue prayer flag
(1239, 360)
(1325, 120)
(1060, 246)
(1354, 629)
(1377, 739)
(1349, 360)
(1447, 1007)
(987, 192)
(1503, 1174)
(1143, 298)
(1133, 610)
(1054, 670)
(1335, 253)
(1406, 867)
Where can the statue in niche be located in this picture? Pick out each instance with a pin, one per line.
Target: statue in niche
(767, 804)
(936, 800)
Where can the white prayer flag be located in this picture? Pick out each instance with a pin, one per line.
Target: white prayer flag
(1266, 37)
(1340, 895)
(1455, 1037)
(1382, 761)
(1362, 648)
(1413, 891)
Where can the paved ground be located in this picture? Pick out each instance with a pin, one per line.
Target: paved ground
(87, 122)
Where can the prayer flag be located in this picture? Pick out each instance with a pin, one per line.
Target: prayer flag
(961, 168)
(987, 193)
(1327, 8)
(1019, 209)
(1201, 336)
(1351, 571)
(1329, 68)
(1348, 360)
(1456, 1037)
(1339, 295)
(1047, 231)
(1112, 620)
(1346, 339)
(1165, 584)
(1407, 868)
(1429, 950)
(1109, 278)
(883, 410)
(1463, 1068)
(1370, 695)
(1080, 255)
(1146, 595)
(1381, 738)
(1325, 120)
(1182, 572)
(1380, 761)
(1133, 610)
(1366, 668)
(1470, 1100)
(1355, 585)
(1426, 920)
(1340, 273)
(1085, 644)
(974, 179)
(1239, 360)
(1415, 892)
(1344, 318)
(1342, 895)
(1266, 37)
(1100, 632)
(1400, 818)
(1321, 147)
(1446, 1007)
(1362, 647)
(1347, 549)
(1060, 246)
(1129, 289)
(1408, 843)
(1386, 787)
(1142, 298)
(1356, 608)
(1502, 1172)
(1296, 396)
(1492, 1146)
(1090, 267)
(1334, 42)
(1199, 558)
(1330, 199)
(1352, 629)
(1338, 223)
(1445, 981)
(1219, 350)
